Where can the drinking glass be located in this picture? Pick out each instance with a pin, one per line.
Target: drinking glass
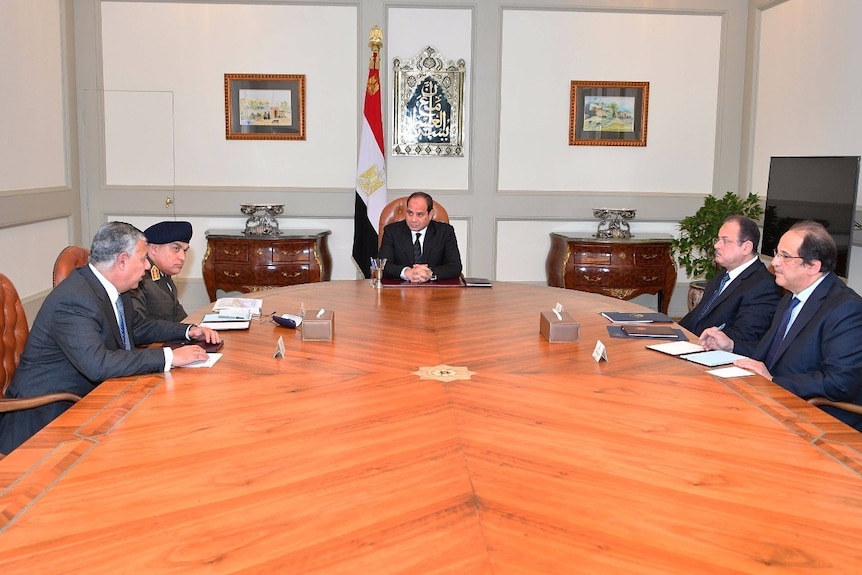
(377, 265)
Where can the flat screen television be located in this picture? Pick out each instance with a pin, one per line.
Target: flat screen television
(822, 189)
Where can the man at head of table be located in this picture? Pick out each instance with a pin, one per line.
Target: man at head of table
(743, 296)
(812, 348)
(418, 249)
(86, 332)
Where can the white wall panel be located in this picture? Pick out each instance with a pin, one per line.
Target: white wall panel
(28, 252)
(808, 83)
(187, 48)
(543, 51)
(139, 138)
(32, 151)
(411, 30)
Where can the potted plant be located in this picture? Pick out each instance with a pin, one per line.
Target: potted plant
(694, 248)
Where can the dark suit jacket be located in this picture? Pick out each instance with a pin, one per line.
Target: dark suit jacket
(75, 345)
(440, 250)
(821, 355)
(157, 299)
(745, 307)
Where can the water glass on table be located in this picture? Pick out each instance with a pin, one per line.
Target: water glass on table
(377, 265)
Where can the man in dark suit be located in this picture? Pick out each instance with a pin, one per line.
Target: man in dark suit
(813, 348)
(86, 332)
(743, 297)
(418, 249)
(156, 295)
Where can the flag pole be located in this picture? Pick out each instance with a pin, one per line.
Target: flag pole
(371, 187)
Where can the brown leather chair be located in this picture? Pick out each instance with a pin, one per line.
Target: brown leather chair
(70, 258)
(13, 336)
(396, 210)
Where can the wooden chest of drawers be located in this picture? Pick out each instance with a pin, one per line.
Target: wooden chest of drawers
(236, 262)
(622, 269)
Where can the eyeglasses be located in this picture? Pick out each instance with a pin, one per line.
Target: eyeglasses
(725, 241)
(777, 254)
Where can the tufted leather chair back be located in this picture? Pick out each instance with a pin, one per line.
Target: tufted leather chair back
(13, 331)
(70, 258)
(396, 210)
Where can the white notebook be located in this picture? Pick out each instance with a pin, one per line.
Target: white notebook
(676, 347)
(713, 358)
(730, 371)
(225, 325)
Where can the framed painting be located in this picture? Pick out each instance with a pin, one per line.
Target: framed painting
(264, 106)
(608, 113)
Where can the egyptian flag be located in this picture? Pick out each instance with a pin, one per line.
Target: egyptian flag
(371, 167)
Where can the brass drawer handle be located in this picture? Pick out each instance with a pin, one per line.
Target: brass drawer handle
(231, 274)
(291, 252)
(649, 256)
(291, 276)
(649, 279)
(231, 252)
(593, 278)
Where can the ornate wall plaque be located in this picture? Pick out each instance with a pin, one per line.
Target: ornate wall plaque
(429, 105)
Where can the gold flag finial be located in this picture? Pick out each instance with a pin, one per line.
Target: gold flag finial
(375, 38)
(375, 41)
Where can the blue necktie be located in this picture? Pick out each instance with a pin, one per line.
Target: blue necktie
(124, 334)
(713, 297)
(779, 333)
(417, 249)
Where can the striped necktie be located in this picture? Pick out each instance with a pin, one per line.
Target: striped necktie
(713, 297)
(124, 333)
(417, 249)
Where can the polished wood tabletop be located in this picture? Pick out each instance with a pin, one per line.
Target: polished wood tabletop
(438, 432)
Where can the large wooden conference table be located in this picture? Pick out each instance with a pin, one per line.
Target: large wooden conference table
(522, 456)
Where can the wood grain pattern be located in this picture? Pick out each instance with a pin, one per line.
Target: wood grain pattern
(621, 268)
(339, 459)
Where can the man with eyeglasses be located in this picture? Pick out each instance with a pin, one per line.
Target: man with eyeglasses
(741, 299)
(812, 348)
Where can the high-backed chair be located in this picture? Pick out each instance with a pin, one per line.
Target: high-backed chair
(70, 258)
(13, 337)
(396, 210)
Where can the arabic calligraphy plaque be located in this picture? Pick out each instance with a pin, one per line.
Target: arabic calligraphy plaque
(429, 105)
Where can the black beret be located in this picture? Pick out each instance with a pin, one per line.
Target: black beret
(167, 232)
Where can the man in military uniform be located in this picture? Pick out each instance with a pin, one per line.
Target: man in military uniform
(156, 295)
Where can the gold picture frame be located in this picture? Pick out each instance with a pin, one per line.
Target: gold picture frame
(608, 113)
(264, 106)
